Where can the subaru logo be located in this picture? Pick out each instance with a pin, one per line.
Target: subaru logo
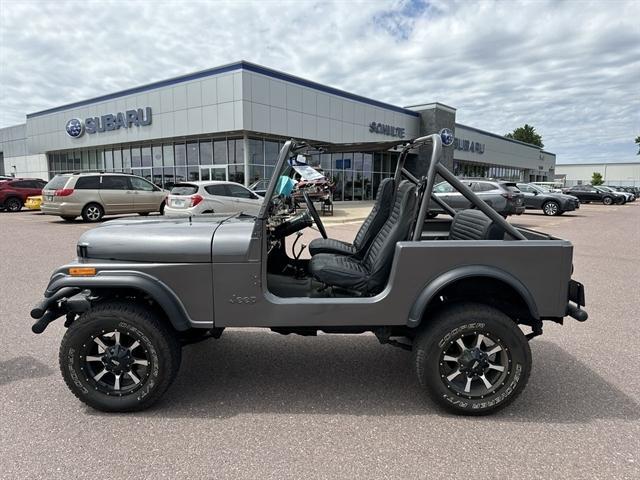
(74, 128)
(446, 135)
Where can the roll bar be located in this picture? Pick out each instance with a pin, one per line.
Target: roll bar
(435, 168)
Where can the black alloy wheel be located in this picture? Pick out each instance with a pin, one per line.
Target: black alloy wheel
(119, 356)
(472, 359)
(13, 204)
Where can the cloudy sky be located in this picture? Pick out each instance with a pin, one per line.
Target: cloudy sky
(570, 68)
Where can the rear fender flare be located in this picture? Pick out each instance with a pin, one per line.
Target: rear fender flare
(433, 288)
(106, 280)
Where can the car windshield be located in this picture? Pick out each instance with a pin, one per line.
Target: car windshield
(184, 189)
(59, 181)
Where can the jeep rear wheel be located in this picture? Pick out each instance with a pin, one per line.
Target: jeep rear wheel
(472, 359)
(119, 357)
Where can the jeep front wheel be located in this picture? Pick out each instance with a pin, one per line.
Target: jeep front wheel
(472, 359)
(119, 357)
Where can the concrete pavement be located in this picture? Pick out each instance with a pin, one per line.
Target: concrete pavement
(259, 405)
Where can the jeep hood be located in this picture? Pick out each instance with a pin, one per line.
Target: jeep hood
(157, 240)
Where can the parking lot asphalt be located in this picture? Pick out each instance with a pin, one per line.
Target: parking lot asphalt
(260, 405)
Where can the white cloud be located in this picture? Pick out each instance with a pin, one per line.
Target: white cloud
(571, 69)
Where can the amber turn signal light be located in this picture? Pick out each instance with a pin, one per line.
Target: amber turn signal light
(82, 271)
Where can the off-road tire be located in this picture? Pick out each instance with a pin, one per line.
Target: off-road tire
(550, 208)
(92, 212)
(13, 204)
(607, 200)
(464, 320)
(157, 344)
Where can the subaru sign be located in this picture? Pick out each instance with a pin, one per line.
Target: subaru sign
(106, 123)
(446, 135)
(74, 128)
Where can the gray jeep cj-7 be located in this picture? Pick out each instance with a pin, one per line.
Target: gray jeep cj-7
(459, 292)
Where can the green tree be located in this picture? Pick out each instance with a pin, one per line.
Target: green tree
(638, 143)
(596, 178)
(526, 134)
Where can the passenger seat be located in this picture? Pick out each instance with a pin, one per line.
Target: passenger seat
(474, 225)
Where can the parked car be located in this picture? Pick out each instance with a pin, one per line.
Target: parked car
(634, 190)
(537, 198)
(460, 297)
(504, 197)
(621, 198)
(14, 192)
(629, 197)
(259, 187)
(34, 202)
(197, 198)
(589, 193)
(94, 195)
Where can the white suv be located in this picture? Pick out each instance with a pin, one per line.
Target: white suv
(197, 198)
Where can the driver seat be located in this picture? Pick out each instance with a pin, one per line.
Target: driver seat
(369, 275)
(368, 230)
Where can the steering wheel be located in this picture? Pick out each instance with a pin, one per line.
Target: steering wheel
(314, 215)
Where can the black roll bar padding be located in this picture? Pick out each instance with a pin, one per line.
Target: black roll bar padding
(478, 202)
(436, 152)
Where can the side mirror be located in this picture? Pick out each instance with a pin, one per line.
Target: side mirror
(535, 192)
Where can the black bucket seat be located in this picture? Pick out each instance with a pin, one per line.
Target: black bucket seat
(369, 275)
(366, 234)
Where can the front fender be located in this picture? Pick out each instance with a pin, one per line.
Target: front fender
(114, 279)
(433, 288)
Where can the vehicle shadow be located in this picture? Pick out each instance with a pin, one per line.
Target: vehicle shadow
(21, 368)
(256, 372)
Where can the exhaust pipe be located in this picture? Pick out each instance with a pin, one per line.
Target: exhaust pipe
(576, 312)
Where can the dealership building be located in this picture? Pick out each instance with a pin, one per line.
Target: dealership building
(229, 123)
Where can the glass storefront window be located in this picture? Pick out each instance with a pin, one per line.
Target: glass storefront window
(108, 160)
(256, 152)
(117, 160)
(220, 152)
(146, 157)
(180, 154)
(206, 153)
(256, 172)
(167, 153)
(271, 151)
(136, 160)
(238, 156)
(181, 174)
(193, 173)
(168, 178)
(192, 153)
(157, 176)
(236, 173)
(126, 159)
(157, 155)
